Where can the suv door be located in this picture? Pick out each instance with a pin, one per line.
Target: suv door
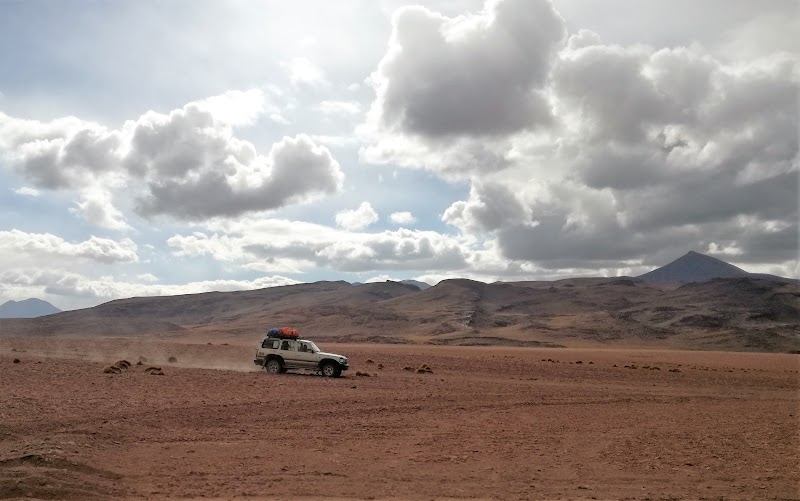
(288, 350)
(306, 356)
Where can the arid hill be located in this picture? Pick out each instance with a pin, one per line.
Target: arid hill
(746, 314)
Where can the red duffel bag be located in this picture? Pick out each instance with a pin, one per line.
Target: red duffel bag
(288, 332)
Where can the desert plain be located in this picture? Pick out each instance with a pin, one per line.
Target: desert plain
(486, 423)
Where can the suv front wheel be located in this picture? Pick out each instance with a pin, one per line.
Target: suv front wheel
(274, 366)
(330, 369)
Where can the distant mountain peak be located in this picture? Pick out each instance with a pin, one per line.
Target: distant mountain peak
(696, 267)
(27, 308)
(420, 285)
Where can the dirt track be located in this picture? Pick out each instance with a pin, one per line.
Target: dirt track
(493, 423)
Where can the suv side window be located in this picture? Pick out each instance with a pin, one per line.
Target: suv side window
(286, 345)
(270, 344)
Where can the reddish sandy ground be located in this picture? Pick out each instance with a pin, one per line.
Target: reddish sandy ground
(488, 423)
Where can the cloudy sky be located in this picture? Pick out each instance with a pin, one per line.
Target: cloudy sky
(176, 146)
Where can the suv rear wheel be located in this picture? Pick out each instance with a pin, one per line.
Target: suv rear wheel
(274, 366)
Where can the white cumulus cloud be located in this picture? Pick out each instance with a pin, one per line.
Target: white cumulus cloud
(402, 218)
(339, 107)
(187, 164)
(357, 219)
(96, 207)
(17, 245)
(74, 286)
(27, 191)
(236, 107)
(303, 71)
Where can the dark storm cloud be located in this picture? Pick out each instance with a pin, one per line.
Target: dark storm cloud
(659, 150)
(589, 228)
(473, 75)
(491, 206)
(713, 200)
(760, 242)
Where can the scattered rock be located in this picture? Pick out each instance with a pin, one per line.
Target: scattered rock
(407, 368)
(579, 362)
(172, 360)
(117, 367)
(424, 369)
(157, 373)
(362, 374)
(142, 359)
(120, 365)
(614, 365)
(123, 364)
(139, 362)
(380, 366)
(674, 370)
(16, 360)
(152, 369)
(370, 361)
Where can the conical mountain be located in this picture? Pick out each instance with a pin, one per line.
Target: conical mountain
(694, 267)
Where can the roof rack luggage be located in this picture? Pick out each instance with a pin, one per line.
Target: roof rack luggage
(283, 333)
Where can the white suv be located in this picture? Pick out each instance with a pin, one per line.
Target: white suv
(277, 355)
